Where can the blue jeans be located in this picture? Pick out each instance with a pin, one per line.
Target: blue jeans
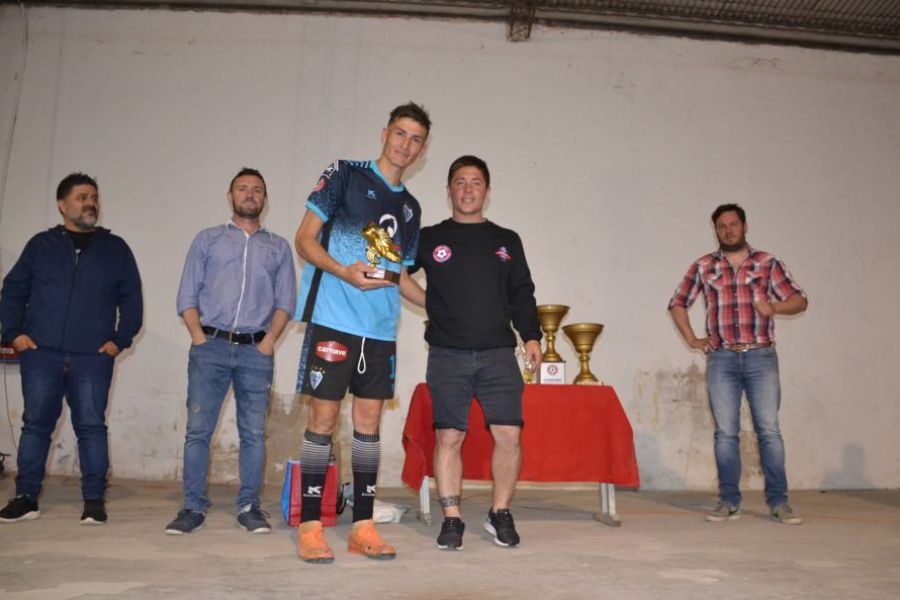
(83, 379)
(212, 367)
(728, 375)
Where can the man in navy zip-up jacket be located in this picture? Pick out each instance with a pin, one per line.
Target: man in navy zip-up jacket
(69, 305)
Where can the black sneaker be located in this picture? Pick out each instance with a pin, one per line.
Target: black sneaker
(186, 522)
(20, 508)
(500, 525)
(94, 512)
(452, 530)
(254, 520)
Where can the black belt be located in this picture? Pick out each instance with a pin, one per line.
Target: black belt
(234, 337)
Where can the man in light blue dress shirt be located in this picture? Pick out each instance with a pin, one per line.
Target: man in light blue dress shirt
(236, 296)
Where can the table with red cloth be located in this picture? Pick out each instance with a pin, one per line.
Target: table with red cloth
(572, 433)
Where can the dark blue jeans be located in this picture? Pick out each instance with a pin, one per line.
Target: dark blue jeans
(83, 379)
(212, 368)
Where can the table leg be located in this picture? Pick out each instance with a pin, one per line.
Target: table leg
(425, 502)
(608, 514)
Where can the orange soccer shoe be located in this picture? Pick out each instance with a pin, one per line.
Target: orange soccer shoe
(364, 539)
(311, 544)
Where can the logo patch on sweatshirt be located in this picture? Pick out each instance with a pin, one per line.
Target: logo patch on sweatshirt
(442, 253)
(503, 254)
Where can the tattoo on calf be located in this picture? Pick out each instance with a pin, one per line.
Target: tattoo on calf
(447, 501)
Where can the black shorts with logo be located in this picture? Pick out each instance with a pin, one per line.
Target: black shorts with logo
(331, 361)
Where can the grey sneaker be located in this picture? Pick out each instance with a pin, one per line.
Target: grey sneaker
(20, 508)
(783, 513)
(724, 512)
(186, 522)
(254, 520)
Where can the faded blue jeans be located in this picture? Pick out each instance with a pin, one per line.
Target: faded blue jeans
(212, 367)
(83, 379)
(728, 375)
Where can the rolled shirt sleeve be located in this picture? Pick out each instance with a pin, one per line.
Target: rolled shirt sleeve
(687, 290)
(192, 275)
(285, 281)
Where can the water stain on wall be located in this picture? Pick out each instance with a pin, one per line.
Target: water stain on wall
(674, 431)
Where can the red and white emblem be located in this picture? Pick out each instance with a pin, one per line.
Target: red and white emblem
(552, 370)
(442, 253)
(331, 351)
(320, 185)
(503, 254)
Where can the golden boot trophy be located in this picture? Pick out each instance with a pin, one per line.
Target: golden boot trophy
(380, 246)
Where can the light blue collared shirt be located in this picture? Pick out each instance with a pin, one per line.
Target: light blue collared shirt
(236, 280)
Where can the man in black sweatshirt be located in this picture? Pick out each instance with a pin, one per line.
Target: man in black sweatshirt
(477, 282)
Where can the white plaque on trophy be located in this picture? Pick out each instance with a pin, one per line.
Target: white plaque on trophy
(553, 372)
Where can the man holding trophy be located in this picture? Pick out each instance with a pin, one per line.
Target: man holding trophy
(478, 281)
(360, 230)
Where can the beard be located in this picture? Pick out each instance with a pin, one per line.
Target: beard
(247, 210)
(736, 247)
(85, 219)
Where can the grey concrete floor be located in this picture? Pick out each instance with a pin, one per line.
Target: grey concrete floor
(849, 547)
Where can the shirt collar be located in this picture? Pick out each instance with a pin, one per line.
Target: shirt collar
(262, 229)
(719, 254)
(373, 164)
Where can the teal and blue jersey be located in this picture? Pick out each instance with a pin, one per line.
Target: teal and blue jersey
(348, 196)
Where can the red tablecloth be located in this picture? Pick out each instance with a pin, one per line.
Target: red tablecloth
(571, 433)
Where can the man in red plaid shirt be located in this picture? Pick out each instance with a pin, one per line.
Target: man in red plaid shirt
(744, 289)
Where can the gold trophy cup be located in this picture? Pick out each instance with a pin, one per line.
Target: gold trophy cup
(583, 336)
(549, 316)
(380, 246)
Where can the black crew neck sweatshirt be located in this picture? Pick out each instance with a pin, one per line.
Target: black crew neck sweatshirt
(478, 282)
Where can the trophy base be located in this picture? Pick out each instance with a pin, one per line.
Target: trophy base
(553, 372)
(385, 275)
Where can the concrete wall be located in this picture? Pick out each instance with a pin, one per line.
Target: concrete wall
(608, 153)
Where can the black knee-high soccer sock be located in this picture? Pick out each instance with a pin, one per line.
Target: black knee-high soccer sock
(315, 452)
(366, 456)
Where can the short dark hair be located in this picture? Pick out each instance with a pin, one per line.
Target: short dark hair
(71, 180)
(724, 208)
(469, 161)
(413, 111)
(249, 171)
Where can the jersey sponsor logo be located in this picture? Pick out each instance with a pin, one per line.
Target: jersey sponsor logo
(442, 253)
(389, 222)
(316, 375)
(331, 351)
(407, 213)
(503, 254)
(326, 175)
(371, 195)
